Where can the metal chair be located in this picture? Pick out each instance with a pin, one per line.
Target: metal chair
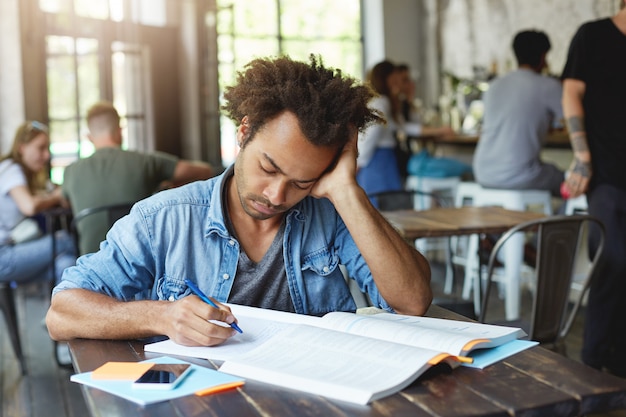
(554, 304)
(109, 214)
(7, 305)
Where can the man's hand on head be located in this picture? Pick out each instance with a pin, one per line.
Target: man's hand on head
(342, 176)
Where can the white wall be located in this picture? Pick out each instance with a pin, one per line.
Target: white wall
(480, 32)
(454, 36)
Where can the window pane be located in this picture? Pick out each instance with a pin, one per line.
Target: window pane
(61, 87)
(55, 6)
(94, 9)
(59, 45)
(117, 10)
(149, 12)
(64, 147)
(88, 74)
(129, 74)
(328, 19)
(343, 55)
(258, 17)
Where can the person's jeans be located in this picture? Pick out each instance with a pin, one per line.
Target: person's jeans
(32, 260)
(604, 339)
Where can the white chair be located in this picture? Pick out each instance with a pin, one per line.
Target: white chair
(576, 205)
(521, 200)
(443, 187)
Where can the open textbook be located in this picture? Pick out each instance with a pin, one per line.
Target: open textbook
(347, 356)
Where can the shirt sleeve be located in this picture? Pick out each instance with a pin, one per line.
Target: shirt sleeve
(11, 177)
(577, 56)
(162, 166)
(109, 270)
(370, 138)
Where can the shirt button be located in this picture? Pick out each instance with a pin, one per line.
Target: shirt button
(225, 276)
(172, 298)
(326, 269)
(231, 242)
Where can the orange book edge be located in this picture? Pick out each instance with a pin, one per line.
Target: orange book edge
(472, 344)
(443, 356)
(219, 388)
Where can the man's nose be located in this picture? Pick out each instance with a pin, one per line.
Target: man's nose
(276, 192)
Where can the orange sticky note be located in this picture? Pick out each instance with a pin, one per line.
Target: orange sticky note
(121, 371)
(220, 388)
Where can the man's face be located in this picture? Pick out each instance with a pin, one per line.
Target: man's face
(278, 167)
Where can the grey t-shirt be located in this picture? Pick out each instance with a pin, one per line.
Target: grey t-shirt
(520, 109)
(263, 284)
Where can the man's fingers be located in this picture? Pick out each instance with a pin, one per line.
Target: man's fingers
(195, 323)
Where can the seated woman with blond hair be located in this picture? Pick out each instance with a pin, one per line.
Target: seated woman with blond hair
(24, 193)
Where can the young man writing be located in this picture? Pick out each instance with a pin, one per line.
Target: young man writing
(269, 232)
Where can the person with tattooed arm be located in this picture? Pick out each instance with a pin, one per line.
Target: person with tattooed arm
(594, 99)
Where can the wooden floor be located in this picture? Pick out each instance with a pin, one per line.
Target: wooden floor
(47, 392)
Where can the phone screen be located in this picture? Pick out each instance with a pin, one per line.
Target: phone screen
(163, 376)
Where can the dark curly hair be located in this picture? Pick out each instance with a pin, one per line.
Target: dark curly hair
(328, 104)
(529, 46)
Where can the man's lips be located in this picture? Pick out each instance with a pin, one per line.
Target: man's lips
(262, 208)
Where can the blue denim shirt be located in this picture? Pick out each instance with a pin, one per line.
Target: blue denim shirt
(180, 233)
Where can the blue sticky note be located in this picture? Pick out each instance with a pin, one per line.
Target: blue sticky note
(199, 379)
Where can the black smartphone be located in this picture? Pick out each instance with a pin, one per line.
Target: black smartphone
(163, 376)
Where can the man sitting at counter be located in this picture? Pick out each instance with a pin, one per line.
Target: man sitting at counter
(521, 108)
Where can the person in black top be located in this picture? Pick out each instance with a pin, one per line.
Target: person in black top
(594, 99)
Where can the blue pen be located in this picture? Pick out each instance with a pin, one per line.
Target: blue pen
(207, 300)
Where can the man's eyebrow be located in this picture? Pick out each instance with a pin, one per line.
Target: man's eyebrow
(277, 168)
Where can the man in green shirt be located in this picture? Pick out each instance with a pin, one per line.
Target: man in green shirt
(113, 176)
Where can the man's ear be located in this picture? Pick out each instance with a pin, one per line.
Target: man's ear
(243, 132)
(240, 135)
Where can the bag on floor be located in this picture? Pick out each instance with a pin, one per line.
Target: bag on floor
(27, 229)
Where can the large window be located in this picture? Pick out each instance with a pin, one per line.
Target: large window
(126, 51)
(88, 58)
(249, 29)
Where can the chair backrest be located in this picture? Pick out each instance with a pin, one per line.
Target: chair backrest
(405, 199)
(558, 248)
(108, 215)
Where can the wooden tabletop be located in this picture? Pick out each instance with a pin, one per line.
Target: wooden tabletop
(534, 382)
(454, 221)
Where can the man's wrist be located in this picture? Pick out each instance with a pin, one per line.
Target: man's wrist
(584, 156)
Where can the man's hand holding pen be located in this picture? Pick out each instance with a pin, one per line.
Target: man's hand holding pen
(192, 322)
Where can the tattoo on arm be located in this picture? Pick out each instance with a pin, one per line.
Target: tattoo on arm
(575, 124)
(582, 168)
(579, 142)
(578, 136)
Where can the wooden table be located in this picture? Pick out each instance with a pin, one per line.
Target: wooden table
(535, 382)
(458, 221)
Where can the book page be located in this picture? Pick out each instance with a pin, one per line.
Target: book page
(451, 336)
(333, 364)
(258, 325)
